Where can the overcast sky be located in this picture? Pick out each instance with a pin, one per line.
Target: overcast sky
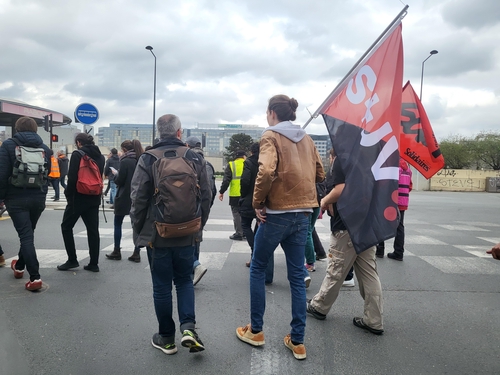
(220, 61)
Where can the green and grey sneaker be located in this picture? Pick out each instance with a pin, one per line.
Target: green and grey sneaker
(191, 340)
(159, 342)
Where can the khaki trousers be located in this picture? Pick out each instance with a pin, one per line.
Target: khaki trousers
(341, 258)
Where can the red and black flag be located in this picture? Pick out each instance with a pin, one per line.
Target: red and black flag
(417, 143)
(363, 117)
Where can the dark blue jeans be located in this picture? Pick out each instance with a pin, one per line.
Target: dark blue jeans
(55, 185)
(25, 214)
(289, 230)
(172, 264)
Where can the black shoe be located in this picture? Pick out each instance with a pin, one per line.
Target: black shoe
(191, 340)
(236, 237)
(358, 322)
(68, 265)
(395, 256)
(320, 257)
(55, 200)
(135, 257)
(115, 255)
(312, 311)
(379, 255)
(165, 344)
(91, 267)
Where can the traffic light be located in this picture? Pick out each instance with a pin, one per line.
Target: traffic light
(46, 123)
(55, 138)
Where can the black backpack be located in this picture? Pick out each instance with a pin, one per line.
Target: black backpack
(177, 197)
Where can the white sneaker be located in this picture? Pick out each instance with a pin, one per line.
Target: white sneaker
(307, 280)
(199, 272)
(349, 283)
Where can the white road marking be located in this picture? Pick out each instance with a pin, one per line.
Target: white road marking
(462, 265)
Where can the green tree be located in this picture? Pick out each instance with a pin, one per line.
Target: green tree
(486, 149)
(457, 152)
(237, 142)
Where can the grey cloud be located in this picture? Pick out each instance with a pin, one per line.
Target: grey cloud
(474, 15)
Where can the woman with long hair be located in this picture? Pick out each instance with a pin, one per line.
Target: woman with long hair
(131, 151)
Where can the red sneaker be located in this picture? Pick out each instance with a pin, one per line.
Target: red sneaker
(17, 274)
(34, 285)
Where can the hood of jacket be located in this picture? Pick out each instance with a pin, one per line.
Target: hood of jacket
(92, 151)
(29, 139)
(286, 128)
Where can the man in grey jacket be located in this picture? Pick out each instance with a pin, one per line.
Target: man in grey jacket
(170, 259)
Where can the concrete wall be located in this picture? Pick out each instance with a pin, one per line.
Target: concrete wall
(461, 180)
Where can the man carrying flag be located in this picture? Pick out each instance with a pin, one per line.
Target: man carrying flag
(363, 118)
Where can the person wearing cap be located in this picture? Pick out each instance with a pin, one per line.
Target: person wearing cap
(199, 270)
(232, 178)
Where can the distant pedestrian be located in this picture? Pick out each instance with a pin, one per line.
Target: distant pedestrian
(231, 180)
(200, 270)
(284, 197)
(247, 212)
(113, 162)
(81, 206)
(170, 259)
(131, 152)
(54, 176)
(24, 201)
(405, 187)
(63, 167)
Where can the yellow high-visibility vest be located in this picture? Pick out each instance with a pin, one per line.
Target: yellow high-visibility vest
(237, 170)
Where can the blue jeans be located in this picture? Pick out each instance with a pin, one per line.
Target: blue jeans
(25, 213)
(175, 264)
(310, 254)
(112, 194)
(289, 230)
(196, 256)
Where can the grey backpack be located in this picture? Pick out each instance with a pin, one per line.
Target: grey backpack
(30, 167)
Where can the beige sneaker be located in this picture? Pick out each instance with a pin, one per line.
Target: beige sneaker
(245, 334)
(2, 261)
(299, 351)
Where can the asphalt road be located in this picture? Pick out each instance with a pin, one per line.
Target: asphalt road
(441, 304)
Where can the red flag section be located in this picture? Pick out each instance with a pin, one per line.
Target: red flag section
(363, 117)
(417, 143)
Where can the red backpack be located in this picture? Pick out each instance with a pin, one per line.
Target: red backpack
(89, 177)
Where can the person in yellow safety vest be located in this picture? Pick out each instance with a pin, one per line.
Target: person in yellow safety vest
(232, 178)
(54, 176)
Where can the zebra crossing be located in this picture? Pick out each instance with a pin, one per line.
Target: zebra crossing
(441, 246)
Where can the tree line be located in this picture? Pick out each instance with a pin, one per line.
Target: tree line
(481, 151)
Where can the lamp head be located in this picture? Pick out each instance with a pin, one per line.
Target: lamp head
(151, 48)
(433, 52)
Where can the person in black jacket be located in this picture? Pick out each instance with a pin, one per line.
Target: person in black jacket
(247, 183)
(81, 205)
(170, 259)
(25, 205)
(112, 162)
(131, 151)
(63, 167)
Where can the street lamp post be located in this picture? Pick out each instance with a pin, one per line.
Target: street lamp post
(433, 52)
(150, 49)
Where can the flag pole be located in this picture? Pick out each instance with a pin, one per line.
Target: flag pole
(399, 17)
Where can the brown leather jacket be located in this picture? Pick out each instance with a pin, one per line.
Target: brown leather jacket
(288, 171)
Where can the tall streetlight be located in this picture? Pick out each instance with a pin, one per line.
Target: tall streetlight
(154, 94)
(433, 52)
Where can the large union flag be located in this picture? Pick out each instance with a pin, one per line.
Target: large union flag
(363, 117)
(417, 143)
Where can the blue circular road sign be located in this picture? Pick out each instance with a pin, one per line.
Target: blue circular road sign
(86, 114)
